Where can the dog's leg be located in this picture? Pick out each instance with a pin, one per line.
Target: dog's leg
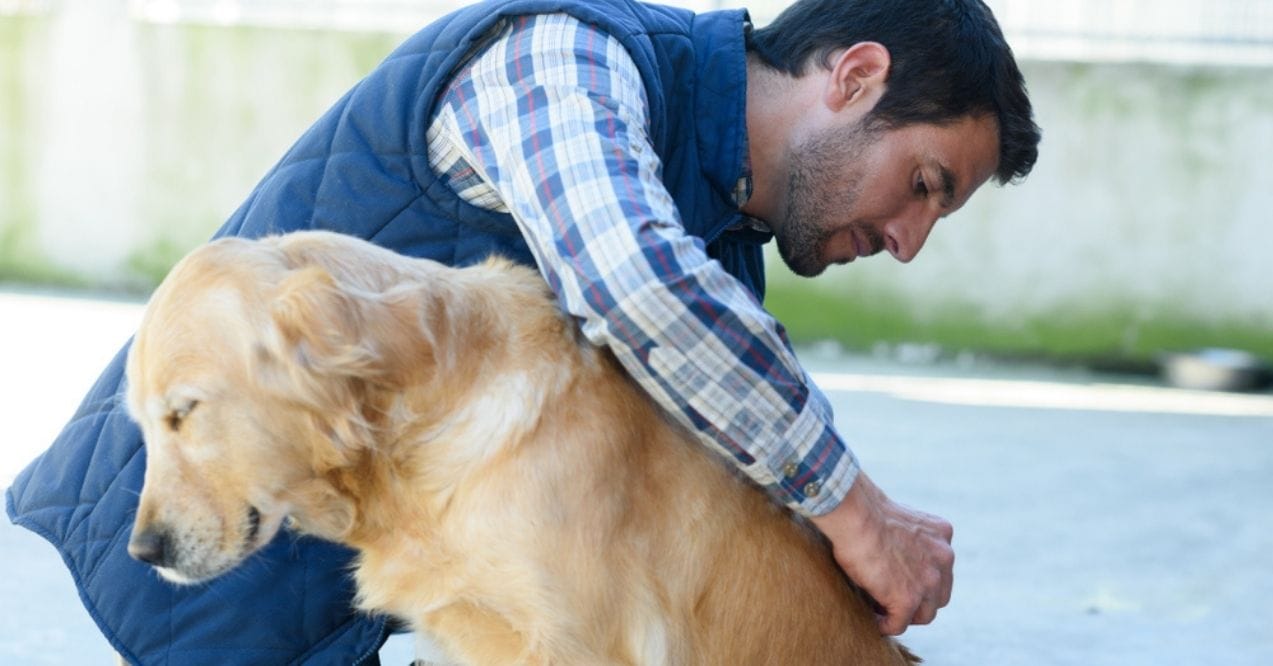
(478, 636)
(427, 652)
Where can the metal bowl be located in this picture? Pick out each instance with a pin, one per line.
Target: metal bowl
(1215, 370)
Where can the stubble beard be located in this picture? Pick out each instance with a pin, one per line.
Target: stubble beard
(815, 198)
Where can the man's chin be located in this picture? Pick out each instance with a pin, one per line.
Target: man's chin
(801, 263)
(804, 267)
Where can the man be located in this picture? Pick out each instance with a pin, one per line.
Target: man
(640, 156)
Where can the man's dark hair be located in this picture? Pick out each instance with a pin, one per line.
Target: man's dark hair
(949, 60)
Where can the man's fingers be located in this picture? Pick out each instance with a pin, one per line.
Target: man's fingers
(938, 526)
(899, 615)
(947, 588)
(931, 594)
(946, 564)
(925, 614)
(900, 556)
(943, 595)
(893, 624)
(948, 531)
(944, 529)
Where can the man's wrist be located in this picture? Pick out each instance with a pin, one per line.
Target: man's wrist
(854, 514)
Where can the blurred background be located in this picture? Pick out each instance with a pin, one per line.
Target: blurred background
(129, 130)
(1102, 519)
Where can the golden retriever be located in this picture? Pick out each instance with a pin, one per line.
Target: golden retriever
(508, 488)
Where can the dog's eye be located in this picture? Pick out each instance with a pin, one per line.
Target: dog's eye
(177, 416)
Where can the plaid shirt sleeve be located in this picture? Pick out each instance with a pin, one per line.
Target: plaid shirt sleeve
(548, 123)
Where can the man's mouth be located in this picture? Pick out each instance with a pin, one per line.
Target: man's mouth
(866, 243)
(862, 246)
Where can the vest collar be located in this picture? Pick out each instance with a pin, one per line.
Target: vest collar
(720, 107)
(720, 97)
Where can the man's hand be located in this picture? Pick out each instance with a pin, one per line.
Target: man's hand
(900, 556)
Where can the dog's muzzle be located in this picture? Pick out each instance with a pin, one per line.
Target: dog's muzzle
(254, 525)
(152, 546)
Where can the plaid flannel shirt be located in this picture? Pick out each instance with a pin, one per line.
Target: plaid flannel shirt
(548, 122)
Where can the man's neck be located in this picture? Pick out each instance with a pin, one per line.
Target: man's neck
(773, 105)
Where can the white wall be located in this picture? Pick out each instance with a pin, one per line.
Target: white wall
(123, 143)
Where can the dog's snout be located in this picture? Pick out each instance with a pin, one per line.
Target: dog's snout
(151, 546)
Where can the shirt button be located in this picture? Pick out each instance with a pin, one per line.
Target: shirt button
(812, 489)
(790, 470)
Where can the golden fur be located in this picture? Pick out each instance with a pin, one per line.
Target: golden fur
(508, 488)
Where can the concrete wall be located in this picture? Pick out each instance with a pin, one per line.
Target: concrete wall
(123, 144)
(1145, 225)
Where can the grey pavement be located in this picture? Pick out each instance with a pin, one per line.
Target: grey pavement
(1099, 520)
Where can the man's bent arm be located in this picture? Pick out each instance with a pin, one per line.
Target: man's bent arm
(560, 137)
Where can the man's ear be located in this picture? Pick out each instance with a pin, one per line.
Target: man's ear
(857, 76)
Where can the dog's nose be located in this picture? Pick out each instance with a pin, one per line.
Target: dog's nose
(150, 546)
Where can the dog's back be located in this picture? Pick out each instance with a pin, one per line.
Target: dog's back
(601, 528)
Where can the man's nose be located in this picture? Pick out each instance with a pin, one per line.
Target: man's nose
(904, 237)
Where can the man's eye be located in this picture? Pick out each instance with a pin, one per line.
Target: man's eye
(920, 187)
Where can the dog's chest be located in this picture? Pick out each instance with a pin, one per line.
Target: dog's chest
(405, 582)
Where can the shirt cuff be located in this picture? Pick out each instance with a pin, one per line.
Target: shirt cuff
(818, 470)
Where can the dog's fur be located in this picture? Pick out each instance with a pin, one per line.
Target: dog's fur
(508, 488)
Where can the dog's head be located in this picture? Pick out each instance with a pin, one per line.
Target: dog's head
(255, 377)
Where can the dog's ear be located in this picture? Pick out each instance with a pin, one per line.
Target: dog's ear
(339, 350)
(317, 326)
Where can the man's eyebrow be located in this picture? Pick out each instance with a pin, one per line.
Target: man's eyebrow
(947, 187)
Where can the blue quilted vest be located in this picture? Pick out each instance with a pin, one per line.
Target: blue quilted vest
(363, 170)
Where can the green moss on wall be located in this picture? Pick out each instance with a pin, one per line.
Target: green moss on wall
(15, 183)
(20, 258)
(149, 264)
(1101, 334)
(21, 261)
(224, 103)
